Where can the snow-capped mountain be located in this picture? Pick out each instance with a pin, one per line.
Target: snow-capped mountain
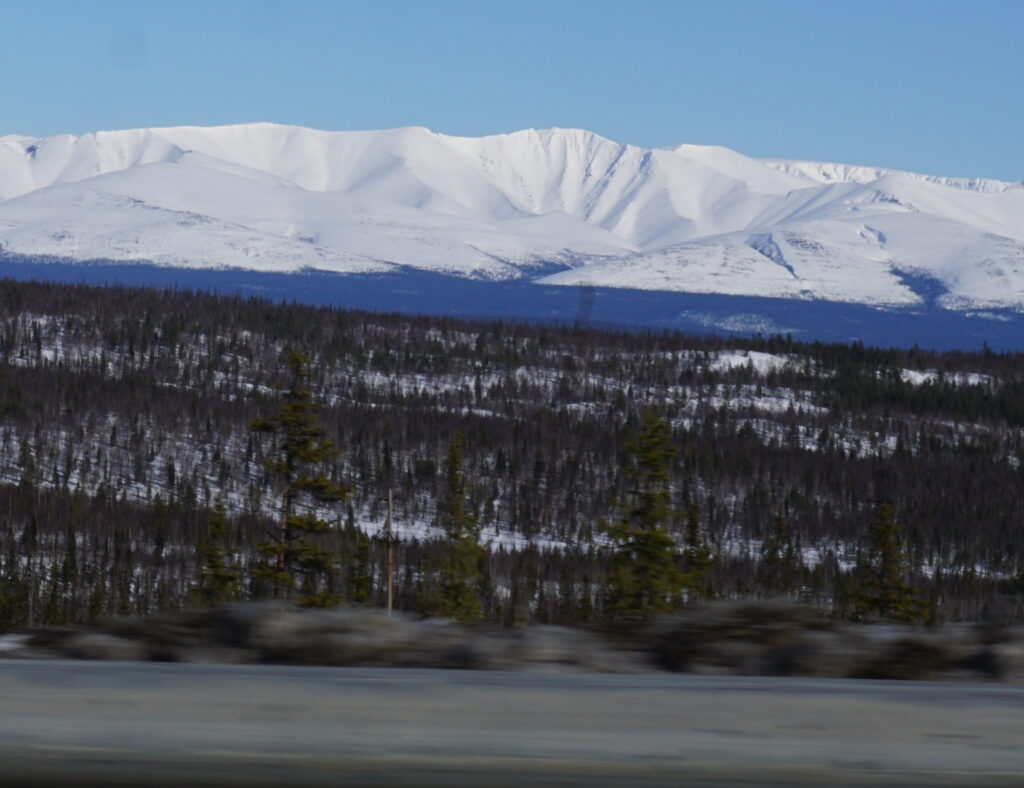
(558, 207)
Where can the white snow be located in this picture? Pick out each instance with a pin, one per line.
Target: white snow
(688, 218)
(917, 377)
(762, 363)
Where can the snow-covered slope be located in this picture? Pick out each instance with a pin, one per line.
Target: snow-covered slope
(565, 206)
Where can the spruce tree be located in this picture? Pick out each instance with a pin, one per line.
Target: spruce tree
(293, 560)
(883, 591)
(97, 606)
(359, 579)
(218, 576)
(459, 576)
(698, 557)
(780, 569)
(15, 593)
(644, 578)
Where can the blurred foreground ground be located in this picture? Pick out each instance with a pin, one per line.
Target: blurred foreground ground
(757, 638)
(110, 723)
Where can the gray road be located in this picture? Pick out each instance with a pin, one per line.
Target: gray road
(79, 723)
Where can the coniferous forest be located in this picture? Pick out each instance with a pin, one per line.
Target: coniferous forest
(151, 457)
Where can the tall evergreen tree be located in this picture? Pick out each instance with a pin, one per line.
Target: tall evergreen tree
(459, 577)
(780, 569)
(218, 577)
(883, 590)
(293, 559)
(644, 578)
(15, 592)
(698, 557)
(359, 577)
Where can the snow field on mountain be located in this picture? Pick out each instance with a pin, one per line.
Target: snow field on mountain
(690, 218)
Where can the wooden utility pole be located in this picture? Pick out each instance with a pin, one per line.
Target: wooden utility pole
(387, 536)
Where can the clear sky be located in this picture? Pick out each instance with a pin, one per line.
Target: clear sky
(917, 84)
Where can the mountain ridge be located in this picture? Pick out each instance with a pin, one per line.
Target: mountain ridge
(561, 206)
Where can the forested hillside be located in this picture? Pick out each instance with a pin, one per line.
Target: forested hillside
(125, 417)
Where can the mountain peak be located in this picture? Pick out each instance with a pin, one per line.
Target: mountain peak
(826, 172)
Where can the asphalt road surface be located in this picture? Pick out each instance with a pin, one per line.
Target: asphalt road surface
(81, 723)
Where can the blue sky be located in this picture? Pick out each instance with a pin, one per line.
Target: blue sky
(930, 86)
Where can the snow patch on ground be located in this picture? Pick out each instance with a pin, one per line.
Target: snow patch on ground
(920, 377)
(762, 363)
